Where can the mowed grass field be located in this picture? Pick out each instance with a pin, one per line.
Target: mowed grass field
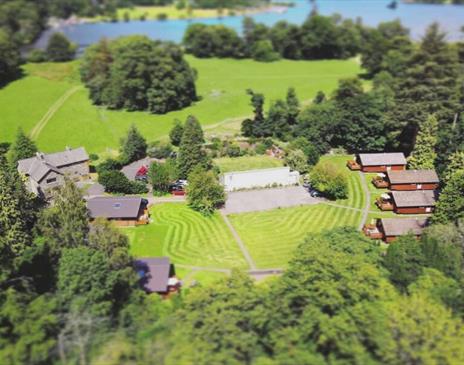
(272, 236)
(187, 237)
(243, 163)
(221, 84)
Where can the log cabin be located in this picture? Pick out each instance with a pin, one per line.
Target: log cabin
(389, 229)
(409, 202)
(378, 162)
(157, 275)
(408, 180)
(123, 210)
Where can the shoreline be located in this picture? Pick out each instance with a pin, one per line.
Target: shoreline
(55, 23)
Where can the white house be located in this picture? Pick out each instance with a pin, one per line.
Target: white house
(280, 176)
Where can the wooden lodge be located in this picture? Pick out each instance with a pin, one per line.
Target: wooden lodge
(388, 229)
(157, 275)
(378, 162)
(408, 202)
(408, 180)
(123, 210)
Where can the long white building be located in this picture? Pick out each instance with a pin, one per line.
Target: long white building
(239, 180)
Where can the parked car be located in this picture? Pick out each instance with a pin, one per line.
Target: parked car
(314, 193)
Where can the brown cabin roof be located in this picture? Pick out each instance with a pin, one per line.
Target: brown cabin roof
(382, 159)
(413, 177)
(115, 207)
(154, 273)
(418, 198)
(402, 226)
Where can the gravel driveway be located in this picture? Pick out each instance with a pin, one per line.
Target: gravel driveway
(266, 199)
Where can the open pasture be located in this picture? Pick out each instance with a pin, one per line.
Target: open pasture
(49, 96)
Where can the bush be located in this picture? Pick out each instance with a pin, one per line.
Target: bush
(261, 149)
(110, 164)
(37, 56)
(233, 150)
(159, 150)
(60, 48)
(264, 52)
(204, 193)
(296, 160)
(93, 157)
(116, 182)
(327, 178)
(162, 16)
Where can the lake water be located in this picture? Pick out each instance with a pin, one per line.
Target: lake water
(415, 16)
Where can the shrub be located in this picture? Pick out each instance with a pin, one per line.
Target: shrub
(261, 149)
(204, 193)
(60, 49)
(162, 16)
(264, 52)
(37, 56)
(327, 178)
(93, 157)
(116, 182)
(110, 164)
(159, 150)
(233, 150)
(296, 160)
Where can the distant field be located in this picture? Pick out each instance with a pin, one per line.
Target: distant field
(227, 164)
(221, 85)
(272, 236)
(186, 237)
(153, 12)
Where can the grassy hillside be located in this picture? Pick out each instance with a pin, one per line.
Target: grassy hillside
(47, 96)
(243, 163)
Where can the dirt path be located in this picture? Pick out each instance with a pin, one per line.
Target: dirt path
(239, 241)
(40, 125)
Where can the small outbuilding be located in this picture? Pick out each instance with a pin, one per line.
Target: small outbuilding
(122, 210)
(252, 179)
(388, 229)
(157, 275)
(378, 162)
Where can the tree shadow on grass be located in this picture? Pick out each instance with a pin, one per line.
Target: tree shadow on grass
(13, 77)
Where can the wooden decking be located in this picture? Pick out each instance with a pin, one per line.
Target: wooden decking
(353, 165)
(384, 205)
(371, 231)
(379, 182)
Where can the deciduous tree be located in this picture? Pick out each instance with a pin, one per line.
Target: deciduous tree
(204, 193)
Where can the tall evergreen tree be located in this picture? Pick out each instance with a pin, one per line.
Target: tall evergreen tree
(65, 224)
(23, 147)
(175, 135)
(255, 127)
(450, 206)
(134, 146)
(277, 120)
(293, 105)
(430, 86)
(455, 163)
(191, 151)
(423, 156)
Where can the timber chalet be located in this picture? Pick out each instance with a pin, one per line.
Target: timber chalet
(408, 202)
(378, 162)
(407, 180)
(389, 229)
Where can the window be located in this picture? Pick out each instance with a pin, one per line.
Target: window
(51, 180)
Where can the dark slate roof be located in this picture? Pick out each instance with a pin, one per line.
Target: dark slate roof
(412, 177)
(402, 226)
(418, 198)
(381, 159)
(114, 207)
(38, 166)
(154, 273)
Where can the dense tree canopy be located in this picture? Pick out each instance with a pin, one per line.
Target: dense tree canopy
(136, 73)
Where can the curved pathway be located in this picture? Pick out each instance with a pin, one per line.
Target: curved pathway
(51, 111)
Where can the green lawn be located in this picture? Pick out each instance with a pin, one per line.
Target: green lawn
(243, 163)
(186, 237)
(271, 236)
(152, 12)
(221, 84)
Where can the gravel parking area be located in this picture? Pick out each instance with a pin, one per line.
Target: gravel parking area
(266, 199)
